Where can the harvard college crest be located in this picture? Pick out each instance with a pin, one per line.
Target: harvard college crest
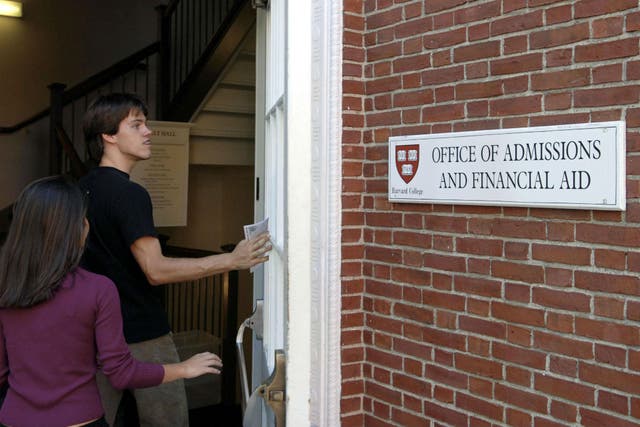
(407, 159)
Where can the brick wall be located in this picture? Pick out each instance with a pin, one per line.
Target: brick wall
(480, 316)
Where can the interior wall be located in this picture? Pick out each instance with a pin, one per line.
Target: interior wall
(220, 203)
(65, 41)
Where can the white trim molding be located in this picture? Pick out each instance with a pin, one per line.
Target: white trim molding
(314, 131)
(326, 184)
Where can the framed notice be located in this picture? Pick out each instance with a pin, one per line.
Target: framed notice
(580, 166)
(166, 174)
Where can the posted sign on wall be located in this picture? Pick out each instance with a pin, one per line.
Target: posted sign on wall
(579, 166)
(166, 174)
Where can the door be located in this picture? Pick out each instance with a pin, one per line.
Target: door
(270, 282)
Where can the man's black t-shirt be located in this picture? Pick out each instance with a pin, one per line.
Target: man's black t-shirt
(120, 212)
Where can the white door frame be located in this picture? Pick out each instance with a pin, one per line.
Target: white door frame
(314, 129)
(313, 79)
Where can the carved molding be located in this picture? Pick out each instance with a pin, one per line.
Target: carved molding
(326, 177)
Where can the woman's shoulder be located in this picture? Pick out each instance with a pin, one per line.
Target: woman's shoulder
(85, 278)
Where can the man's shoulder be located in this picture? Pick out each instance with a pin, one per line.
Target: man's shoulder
(106, 180)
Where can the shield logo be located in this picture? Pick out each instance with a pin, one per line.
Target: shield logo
(407, 159)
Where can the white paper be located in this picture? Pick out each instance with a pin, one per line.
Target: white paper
(253, 230)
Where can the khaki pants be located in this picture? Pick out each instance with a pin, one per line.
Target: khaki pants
(161, 406)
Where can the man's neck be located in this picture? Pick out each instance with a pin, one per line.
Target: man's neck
(123, 166)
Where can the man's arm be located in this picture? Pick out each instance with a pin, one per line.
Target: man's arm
(161, 270)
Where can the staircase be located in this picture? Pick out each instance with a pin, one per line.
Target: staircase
(223, 132)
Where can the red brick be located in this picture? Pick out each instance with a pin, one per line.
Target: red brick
(610, 259)
(517, 64)
(568, 390)
(590, 418)
(478, 32)
(517, 314)
(610, 235)
(560, 79)
(478, 90)
(611, 378)
(445, 38)
(609, 50)
(516, 375)
(419, 97)
(445, 414)
(404, 418)
(557, 15)
(564, 411)
(587, 8)
(521, 399)
(441, 375)
(440, 5)
(608, 331)
(478, 286)
(633, 22)
(563, 366)
(561, 254)
(478, 366)
(477, 51)
(518, 418)
(613, 402)
(383, 19)
(610, 283)
(479, 406)
(514, 106)
(519, 356)
(442, 75)
(517, 271)
(478, 13)
(514, 24)
(571, 301)
(610, 355)
(482, 327)
(559, 36)
(608, 27)
(386, 394)
(443, 113)
(609, 307)
(561, 345)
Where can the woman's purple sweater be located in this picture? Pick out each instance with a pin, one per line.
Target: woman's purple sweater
(49, 354)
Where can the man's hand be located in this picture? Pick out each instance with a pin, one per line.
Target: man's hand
(248, 253)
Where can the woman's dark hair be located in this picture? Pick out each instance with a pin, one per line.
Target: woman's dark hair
(103, 116)
(44, 242)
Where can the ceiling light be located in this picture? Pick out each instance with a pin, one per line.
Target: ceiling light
(11, 8)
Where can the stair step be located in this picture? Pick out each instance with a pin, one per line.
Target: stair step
(220, 151)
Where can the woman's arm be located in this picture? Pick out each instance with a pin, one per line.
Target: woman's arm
(199, 364)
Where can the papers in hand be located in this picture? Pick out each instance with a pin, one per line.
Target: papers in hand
(253, 230)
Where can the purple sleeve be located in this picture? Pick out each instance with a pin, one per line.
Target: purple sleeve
(114, 358)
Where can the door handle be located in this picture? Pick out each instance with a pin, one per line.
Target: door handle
(254, 322)
(273, 391)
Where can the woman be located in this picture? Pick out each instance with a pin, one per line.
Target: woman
(59, 321)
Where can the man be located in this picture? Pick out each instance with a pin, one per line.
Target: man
(124, 246)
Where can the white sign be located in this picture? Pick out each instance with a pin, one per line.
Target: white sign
(579, 166)
(166, 174)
